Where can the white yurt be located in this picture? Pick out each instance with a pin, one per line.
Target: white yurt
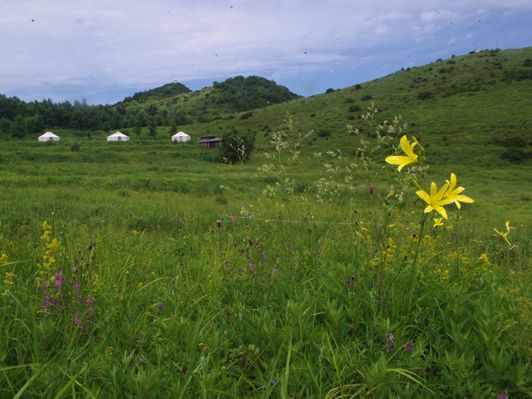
(181, 137)
(49, 136)
(118, 136)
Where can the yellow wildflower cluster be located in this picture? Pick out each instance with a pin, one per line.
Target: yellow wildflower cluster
(3, 258)
(436, 199)
(48, 259)
(9, 280)
(46, 231)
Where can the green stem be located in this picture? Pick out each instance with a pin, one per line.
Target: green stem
(414, 262)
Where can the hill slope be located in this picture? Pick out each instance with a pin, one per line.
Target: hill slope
(480, 102)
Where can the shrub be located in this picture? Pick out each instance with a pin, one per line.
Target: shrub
(424, 95)
(515, 155)
(329, 90)
(354, 108)
(358, 87)
(235, 148)
(323, 133)
(367, 97)
(246, 115)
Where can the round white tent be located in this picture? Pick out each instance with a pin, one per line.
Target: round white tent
(181, 137)
(118, 136)
(49, 136)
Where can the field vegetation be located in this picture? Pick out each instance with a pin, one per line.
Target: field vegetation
(312, 269)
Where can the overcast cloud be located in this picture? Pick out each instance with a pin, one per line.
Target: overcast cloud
(103, 50)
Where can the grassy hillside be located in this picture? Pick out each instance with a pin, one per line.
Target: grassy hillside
(470, 108)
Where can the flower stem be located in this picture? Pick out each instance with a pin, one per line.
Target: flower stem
(414, 261)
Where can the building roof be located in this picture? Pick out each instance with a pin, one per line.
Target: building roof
(180, 134)
(118, 134)
(210, 139)
(48, 134)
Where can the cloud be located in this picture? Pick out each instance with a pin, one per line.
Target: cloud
(97, 44)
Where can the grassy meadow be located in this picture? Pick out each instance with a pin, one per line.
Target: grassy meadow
(150, 269)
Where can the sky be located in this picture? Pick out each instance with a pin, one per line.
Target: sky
(104, 50)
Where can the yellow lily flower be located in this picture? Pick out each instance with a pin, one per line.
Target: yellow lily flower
(504, 234)
(408, 149)
(436, 199)
(453, 193)
(438, 222)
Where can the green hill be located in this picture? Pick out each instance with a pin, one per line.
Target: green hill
(165, 91)
(209, 104)
(477, 104)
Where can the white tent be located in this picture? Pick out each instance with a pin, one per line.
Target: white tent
(49, 136)
(118, 136)
(181, 136)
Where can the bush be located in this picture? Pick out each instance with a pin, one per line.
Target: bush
(367, 97)
(354, 108)
(424, 95)
(75, 147)
(235, 148)
(329, 90)
(246, 115)
(515, 155)
(323, 133)
(358, 87)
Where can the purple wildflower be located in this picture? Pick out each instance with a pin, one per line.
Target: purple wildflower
(227, 265)
(160, 306)
(502, 395)
(252, 267)
(77, 320)
(409, 346)
(90, 301)
(77, 285)
(47, 302)
(275, 381)
(350, 281)
(59, 280)
(390, 341)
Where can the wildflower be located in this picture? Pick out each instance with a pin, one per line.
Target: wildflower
(275, 381)
(160, 306)
(233, 218)
(502, 395)
(438, 222)
(453, 193)
(59, 280)
(505, 234)
(252, 267)
(9, 280)
(77, 320)
(218, 223)
(3, 258)
(77, 285)
(409, 346)
(262, 256)
(390, 341)
(484, 258)
(403, 160)
(349, 282)
(436, 199)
